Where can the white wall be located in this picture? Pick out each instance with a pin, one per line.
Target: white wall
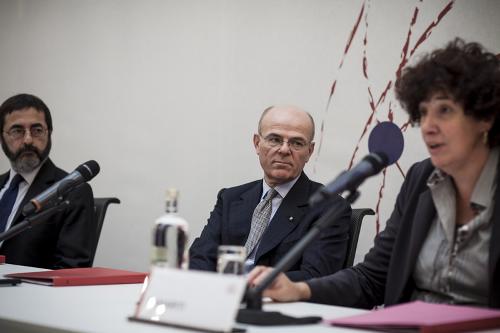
(168, 93)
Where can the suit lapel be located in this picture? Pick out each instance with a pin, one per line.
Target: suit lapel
(286, 218)
(422, 221)
(3, 179)
(43, 179)
(415, 238)
(240, 214)
(495, 232)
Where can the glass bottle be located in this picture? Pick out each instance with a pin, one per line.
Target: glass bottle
(170, 235)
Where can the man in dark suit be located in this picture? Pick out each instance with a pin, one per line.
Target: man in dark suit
(284, 144)
(63, 240)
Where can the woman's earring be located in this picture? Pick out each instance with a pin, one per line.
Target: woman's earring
(485, 137)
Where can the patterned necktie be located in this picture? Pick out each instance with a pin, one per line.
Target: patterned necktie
(260, 220)
(8, 200)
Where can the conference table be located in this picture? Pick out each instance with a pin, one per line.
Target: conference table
(105, 308)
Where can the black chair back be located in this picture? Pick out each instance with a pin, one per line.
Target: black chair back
(356, 219)
(101, 206)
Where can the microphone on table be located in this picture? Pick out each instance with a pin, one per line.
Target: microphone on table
(385, 145)
(47, 198)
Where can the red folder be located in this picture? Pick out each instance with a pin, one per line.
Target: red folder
(2, 259)
(81, 276)
(424, 318)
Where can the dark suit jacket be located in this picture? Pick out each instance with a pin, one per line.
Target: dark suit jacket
(385, 276)
(63, 240)
(229, 224)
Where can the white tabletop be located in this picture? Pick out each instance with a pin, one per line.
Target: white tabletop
(37, 308)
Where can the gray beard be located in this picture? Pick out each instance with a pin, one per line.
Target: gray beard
(29, 162)
(26, 164)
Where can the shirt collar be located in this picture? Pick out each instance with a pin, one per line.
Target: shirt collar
(282, 189)
(437, 176)
(485, 186)
(29, 177)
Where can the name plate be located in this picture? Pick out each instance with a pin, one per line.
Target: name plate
(194, 299)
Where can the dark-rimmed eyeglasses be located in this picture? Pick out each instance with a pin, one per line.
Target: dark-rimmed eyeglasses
(18, 133)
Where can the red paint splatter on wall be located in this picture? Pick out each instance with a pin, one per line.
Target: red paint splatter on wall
(334, 84)
(406, 53)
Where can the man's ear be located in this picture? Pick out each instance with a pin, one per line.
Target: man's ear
(311, 150)
(311, 147)
(256, 142)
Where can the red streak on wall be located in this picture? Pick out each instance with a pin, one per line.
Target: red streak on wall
(405, 57)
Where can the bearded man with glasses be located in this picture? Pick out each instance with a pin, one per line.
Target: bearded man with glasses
(267, 216)
(66, 239)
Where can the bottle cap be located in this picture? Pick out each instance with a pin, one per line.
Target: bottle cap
(171, 200)
(172, 194)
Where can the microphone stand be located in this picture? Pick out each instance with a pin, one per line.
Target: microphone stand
(254, 296)
(253, 313)
(59, 203)
(34, 219)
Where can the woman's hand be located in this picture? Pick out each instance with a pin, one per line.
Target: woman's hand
(281, 289)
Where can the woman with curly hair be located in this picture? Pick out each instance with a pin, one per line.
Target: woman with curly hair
(439, 242)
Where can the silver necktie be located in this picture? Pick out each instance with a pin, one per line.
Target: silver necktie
(260, 220)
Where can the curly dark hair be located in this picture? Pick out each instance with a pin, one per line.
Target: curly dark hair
(466, 72)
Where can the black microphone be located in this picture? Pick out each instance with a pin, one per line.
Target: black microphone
(350, 180)
(82, 174)
(385, 144)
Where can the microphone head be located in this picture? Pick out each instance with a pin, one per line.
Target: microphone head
(386, 139)
(378, 161)
(88, 170)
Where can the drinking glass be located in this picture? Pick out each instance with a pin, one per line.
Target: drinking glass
(231, 259)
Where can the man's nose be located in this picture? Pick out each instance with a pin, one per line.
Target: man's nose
(285, 148)
(27, 137)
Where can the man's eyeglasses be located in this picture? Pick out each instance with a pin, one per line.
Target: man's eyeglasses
(277, 141)
(18, 133)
